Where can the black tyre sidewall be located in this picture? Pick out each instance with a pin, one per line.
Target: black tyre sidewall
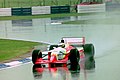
(35, 54)
(74, 58)
(89, 49)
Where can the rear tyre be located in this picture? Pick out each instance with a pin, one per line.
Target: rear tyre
(89, 55)
(35, 55)
(89, 49)
(74, 58)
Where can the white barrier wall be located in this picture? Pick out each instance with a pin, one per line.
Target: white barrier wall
(40, 10)
(5, 11)
(91, 8)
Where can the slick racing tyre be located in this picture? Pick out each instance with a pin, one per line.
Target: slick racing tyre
(74, 58)
(89, 49)
(89, 56)
(36, 54)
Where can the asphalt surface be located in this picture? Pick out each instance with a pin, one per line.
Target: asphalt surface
(105, 38)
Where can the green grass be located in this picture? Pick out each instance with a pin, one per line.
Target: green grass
(29, 3)
(44, 16)
(13, 48)
(40, 16)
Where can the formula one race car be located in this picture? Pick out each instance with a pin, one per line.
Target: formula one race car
(70, 51)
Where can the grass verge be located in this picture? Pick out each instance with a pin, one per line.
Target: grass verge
(41, 16)
(10, 49)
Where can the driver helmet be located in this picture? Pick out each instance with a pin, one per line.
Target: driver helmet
(62, 41)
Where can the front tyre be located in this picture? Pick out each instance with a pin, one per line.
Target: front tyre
(74, 58)
(35, 55)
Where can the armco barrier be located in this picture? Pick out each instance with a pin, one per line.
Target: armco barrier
(91, 8)
(60, 9)
(34, 10)
(21, 11)
(5, 11)
(40, 10)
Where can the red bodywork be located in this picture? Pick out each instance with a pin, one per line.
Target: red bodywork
(52, 60)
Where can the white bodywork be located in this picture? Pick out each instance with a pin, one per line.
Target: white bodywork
(68, 41)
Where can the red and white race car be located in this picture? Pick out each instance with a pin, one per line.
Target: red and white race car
(70, 51)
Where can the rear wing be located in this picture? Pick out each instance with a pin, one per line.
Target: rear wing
(74, 40)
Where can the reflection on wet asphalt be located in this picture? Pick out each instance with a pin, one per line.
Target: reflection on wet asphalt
(104, 37)
(59, 73)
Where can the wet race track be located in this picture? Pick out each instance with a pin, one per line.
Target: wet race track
(105, 38)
